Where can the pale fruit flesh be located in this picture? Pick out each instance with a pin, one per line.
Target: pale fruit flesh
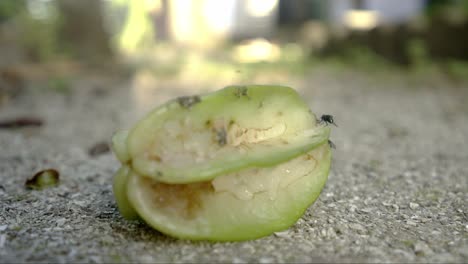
(232, 207)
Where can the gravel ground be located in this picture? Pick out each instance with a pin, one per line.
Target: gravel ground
(397, 191)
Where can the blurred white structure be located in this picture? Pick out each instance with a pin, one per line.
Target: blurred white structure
(366, 14)
(202, 21)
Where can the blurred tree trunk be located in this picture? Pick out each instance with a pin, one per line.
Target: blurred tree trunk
(82, 31)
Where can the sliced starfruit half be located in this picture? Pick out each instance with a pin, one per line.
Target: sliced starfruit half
(236, 164)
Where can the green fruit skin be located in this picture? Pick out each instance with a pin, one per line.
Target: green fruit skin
(119, 145)
(227, 218)
(119, 187)
(264, 101)
(224, 217)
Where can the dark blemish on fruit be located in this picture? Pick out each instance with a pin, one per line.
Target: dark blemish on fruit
(208, 123)
(310, 157)
(241, 91)
(331, 144)
(279, 113)
(221, 136)
(188, 101)
(155, 158)
(189, 196)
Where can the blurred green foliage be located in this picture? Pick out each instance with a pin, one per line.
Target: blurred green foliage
(9, 8)
(37, 24)
(436, 6)
(40, 36)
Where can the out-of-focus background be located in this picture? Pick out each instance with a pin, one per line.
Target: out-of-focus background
(393, 73)
(222, 42)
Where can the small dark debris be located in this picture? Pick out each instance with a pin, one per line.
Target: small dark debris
(99, 149)
(21, 122)
(43, 179)
(221, 137)
(327, 119)
(106, 214)
(2, 188)
(99, 91)
(331, 144)
(188, 101)
(241, 91)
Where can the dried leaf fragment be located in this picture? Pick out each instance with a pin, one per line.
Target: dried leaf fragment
(21, 122)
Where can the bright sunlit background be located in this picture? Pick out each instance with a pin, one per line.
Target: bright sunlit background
(229, 41)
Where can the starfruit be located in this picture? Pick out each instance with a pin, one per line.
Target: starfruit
(236, 164)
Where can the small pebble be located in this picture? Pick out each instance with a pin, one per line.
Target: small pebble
(282, 234)
(413, 206)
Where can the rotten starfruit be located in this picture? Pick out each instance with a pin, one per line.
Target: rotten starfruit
(236, 164)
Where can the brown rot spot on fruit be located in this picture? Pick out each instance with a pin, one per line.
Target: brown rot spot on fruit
(183, 199)
(155, 157)
(188, 101)
(310, 157)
